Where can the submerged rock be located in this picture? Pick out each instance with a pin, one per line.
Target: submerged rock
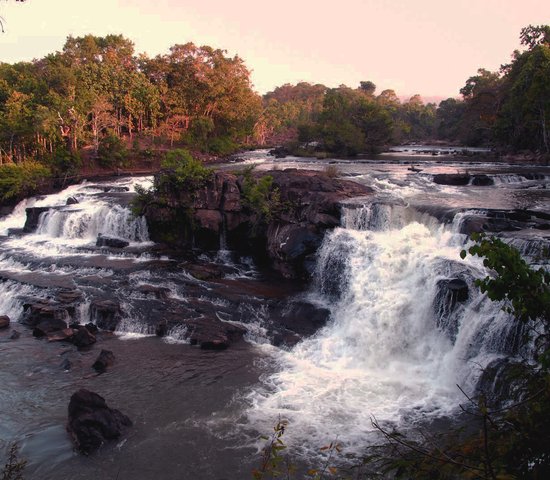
(105, 359)
(91, 422)
(452, 179)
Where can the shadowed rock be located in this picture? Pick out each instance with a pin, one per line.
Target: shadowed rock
(105, 359)
(92, 422)
(83, 338)
(4, 321)
(105, 241)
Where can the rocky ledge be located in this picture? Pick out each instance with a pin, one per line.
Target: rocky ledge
(303, 206)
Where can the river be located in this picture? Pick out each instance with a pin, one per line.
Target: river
(393, 349)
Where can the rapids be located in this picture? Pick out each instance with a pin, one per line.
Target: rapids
(394, 347)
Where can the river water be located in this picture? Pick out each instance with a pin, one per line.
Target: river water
(393, 349)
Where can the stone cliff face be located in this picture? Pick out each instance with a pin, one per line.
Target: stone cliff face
(219, 214)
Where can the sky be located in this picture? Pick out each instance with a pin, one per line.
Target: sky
(426, 47)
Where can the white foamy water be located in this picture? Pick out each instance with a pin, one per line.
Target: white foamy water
(384, 354)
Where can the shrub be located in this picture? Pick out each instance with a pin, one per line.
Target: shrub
(22, 179)
(185, 171)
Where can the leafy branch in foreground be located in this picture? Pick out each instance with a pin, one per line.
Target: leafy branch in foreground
(13, 469)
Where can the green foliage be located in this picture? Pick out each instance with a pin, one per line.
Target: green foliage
(184, 171)
(13, 469)
(259, 195)
(526, 291)
(222, 145)
(22, 179)
(112, 152)
(64, 161)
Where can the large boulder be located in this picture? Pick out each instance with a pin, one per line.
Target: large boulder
(91, 421)
(4, 321)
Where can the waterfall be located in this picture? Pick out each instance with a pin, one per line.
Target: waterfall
(91, 219)
(398, 342)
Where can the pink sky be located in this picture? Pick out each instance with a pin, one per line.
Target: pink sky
(428, 47)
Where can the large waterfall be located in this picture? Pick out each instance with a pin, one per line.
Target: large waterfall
(398, 343)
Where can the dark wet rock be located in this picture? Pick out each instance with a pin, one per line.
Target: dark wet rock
(279, 152)
(33, 217)
(64, 335)
(45, 316)
(212, 334)
(105, 314)
(66, 364)
(161, 329)
(91, 421)
(92, 328)
(450, 293)
(4, 321)
(493, 220)
(205, 272)
(72, 201)
(105, 241)
(293, 321)
(160, 293)
(83, 338)
(482, 180)
(15, 335)
(501, 381)
(452, 179)
(105, 359)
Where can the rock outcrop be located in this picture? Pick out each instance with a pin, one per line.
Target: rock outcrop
(286, 237)
(4, 321)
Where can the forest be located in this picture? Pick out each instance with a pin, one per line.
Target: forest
(97, 103)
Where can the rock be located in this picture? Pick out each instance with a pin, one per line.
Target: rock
(212, 334)
(61, 335)
(105, 314)
(4, 321)
(482, 180)
(452, 178)
(33, 217)
(105, 359)
(71, 201)
(83, 338)
(44, 317)
(92, 328)
(15, 335)
(160, 293)
(91, 421)
(450, 292)
(105, 241)
(66, 364)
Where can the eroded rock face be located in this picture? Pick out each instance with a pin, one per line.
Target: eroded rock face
(33, 217)
(92, 422)
(309, 205)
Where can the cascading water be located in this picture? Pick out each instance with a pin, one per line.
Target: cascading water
(390, 350)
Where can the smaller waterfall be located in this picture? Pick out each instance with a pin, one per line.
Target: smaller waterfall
(91, 219)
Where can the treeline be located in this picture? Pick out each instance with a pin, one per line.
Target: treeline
(97, 91)
(508, 109)
(97, 98)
